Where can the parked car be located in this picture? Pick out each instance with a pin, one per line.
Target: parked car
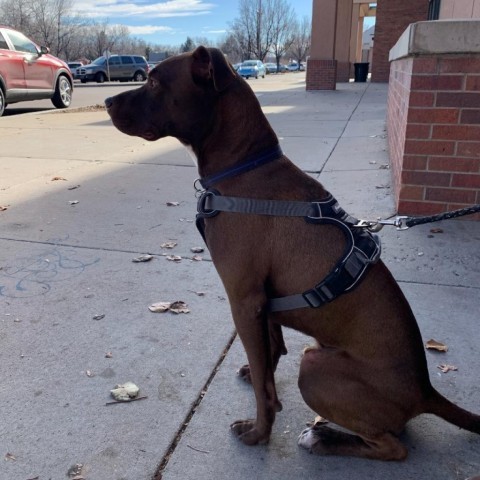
(73, 68)
(273, 68)
(119, 67)
(152, 65)
(295, 67)
(252, 68)
(29, 72)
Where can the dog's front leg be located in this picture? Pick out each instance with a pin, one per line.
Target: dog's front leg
(252, 326)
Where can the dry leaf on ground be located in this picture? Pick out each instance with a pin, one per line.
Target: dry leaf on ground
(173, 204)
(3, 207)
(174, 258)
(197, 250)
(434, 345)
(174, 307)
(142, 258)
(179, 307)
(54, 179)
(125, 392)
(447, 368)
(168, 245)
(10, 456)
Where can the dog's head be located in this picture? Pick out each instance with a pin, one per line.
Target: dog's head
(178, 98)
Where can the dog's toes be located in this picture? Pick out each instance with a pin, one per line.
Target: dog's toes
(248, 433)
(244, 374)
(307, 439)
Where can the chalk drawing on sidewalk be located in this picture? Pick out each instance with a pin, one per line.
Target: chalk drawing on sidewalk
(34, 275)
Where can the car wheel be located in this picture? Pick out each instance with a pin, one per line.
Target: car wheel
(247, 77)
(62, 98)
(2, 102)
(139, 77)
(100, 77)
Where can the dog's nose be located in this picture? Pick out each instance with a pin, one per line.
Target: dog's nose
(108, 102)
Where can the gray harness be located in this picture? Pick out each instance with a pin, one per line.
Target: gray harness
(362, 250)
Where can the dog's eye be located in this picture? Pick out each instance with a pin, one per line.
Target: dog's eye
(153, 82)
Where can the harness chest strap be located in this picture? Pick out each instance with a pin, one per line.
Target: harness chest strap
(363, 248)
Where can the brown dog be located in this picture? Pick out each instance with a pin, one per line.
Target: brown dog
(368, 372)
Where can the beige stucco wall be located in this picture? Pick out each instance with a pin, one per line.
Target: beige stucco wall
(459, 9)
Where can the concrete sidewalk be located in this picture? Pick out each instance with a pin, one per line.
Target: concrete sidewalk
(84, 200)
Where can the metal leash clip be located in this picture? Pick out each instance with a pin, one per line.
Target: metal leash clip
(375, 226)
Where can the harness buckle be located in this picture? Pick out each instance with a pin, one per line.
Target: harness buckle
(202, 209)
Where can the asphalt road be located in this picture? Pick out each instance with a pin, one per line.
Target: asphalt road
(88, 94)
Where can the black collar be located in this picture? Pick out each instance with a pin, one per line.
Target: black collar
(249, 164)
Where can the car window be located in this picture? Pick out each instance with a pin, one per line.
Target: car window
(21, 43)
(140, 60)
(114, 61)
(126, 59)
(3, 42)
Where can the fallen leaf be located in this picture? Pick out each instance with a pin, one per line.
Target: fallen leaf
(173, 204)
(74, 187)
(54, 179)
(174, 307)
(197, 258)
(447, 368)
(142, 258)
(73, 202)
(3, 207)
(75, 470)
(434, 345)
(179, 307)
(436, 230)
(385, 166)
(197, 249)
(98, 317)
(159, 307)
(10, 456)
(168, 245)
(89, 373)
(109, 355)
(174, 258)
(125, 392)
(319, 419)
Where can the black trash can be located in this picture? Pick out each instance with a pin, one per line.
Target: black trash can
(361, 71)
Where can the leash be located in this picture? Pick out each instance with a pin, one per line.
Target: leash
(402, 222)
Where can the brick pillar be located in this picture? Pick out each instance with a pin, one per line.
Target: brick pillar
(433, 120)
(321, 74)
(393, 17)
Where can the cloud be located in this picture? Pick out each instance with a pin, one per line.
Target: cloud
(148, 29)
(155, 9)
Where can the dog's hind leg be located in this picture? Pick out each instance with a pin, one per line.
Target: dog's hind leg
(324, 440)
(332, 385)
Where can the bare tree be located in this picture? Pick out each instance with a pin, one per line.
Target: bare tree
(301, 41)
(283, 31)
(16, 14)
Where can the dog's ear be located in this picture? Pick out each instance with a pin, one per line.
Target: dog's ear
(210, 64)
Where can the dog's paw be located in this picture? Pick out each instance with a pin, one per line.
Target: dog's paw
(244, 374)
(247, 432)
(307, 439)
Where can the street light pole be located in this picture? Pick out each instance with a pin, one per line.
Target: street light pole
(259, 21)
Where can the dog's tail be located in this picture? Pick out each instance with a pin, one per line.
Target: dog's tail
(444, 408)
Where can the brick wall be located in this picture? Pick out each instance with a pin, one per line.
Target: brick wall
(433, 121)
(321, 74)
(392, 19)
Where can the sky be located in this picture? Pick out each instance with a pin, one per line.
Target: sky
(170, 22)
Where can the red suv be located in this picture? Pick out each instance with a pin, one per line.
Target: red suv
(29, 72)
